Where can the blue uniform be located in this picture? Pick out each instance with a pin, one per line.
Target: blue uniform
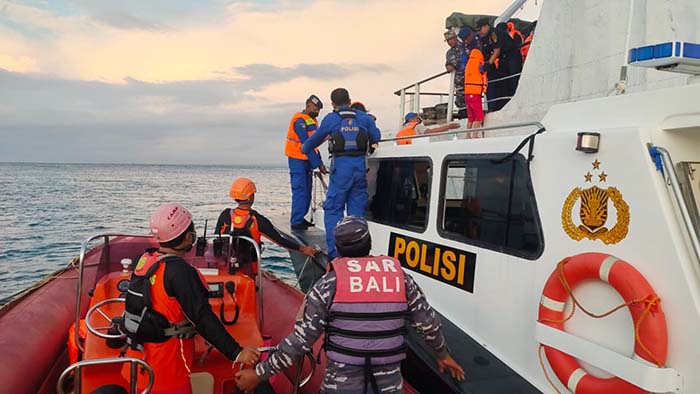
(348, 185)
(300, 176)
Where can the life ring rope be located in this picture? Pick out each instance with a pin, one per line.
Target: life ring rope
(650, 301)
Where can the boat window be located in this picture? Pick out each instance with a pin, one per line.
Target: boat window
(490, 204)
(399, 192)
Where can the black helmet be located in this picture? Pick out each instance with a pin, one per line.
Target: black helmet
(352, 238)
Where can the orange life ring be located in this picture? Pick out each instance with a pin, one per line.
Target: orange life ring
(651, 337)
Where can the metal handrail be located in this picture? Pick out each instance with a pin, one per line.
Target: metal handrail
(300, 382)
(680, 200)
(258, 276)
(81, 261)
(436, 76)
(415, 100)
(456, 132)
(504, 78)
(427, 94)
(104, 361)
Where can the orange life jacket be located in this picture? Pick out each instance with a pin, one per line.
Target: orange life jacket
(474, 80)
(512, 31)
(293, 147)
(74, 354)
(407, 132)
(171, 360)
(243, 223)
(525, 49)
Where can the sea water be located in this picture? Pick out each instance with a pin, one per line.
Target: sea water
(47, 210)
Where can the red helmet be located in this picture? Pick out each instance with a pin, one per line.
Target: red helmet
(169, 221)
(242, 189)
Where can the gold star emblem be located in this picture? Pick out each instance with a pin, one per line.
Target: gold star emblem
(588, 176)
(596, 165)
(603, 176)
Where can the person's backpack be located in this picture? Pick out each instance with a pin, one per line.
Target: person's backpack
(143, 323)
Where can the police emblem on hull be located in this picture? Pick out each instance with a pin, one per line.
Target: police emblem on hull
(594, 204)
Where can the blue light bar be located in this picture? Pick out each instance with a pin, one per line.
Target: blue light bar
(645, 53)
(673, 56)
(663, 50)
(691, 50)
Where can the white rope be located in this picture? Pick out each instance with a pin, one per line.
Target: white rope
(184, 360)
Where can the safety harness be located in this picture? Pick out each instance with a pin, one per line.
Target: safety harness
(143, 323)
(351, 139)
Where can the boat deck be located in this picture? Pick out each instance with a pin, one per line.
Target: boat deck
(307, 270)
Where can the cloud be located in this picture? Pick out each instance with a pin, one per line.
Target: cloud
(152, 122)
(79, 100)
(200, 81)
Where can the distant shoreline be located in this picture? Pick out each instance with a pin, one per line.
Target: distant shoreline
(270, 166)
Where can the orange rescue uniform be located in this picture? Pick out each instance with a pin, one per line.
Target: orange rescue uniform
(407, 132)
(293, 147)
(171, 360)
(474, 80)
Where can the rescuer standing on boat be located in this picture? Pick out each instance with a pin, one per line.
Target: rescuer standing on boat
(454, 64)
(351, 135)
(168, 303)
(244, 221)
(301, 166)
(474, 81)
(361, 305)
(510, 62)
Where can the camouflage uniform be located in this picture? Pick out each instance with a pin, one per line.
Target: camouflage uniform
(454, 57)
(342, 378)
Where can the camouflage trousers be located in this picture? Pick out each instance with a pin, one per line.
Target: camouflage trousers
(350, 379)
(459, 91)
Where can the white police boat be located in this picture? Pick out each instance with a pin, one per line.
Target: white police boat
(562, 247)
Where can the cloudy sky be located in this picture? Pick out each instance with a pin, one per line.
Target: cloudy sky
(202, 81)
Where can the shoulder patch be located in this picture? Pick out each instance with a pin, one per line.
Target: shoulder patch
(141, 263)
(494, 36)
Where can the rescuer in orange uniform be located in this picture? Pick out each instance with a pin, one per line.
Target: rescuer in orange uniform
(301, 127)
(414, 126)
(244, 221)
(168, 302)
(475, 81)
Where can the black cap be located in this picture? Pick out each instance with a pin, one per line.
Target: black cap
(482, 22)
(352, 238)
(313, 99)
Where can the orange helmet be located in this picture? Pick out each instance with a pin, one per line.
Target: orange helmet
(242, 189)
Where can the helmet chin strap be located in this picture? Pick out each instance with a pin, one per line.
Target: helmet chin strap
(188, 247)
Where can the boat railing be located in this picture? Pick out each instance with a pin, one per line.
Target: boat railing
(672, 180)
(300, 366)
(134, 363)
(457, 132)
(106, 238)
(258, 276)
(411, 95)
(319, 193)
(81, 267)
